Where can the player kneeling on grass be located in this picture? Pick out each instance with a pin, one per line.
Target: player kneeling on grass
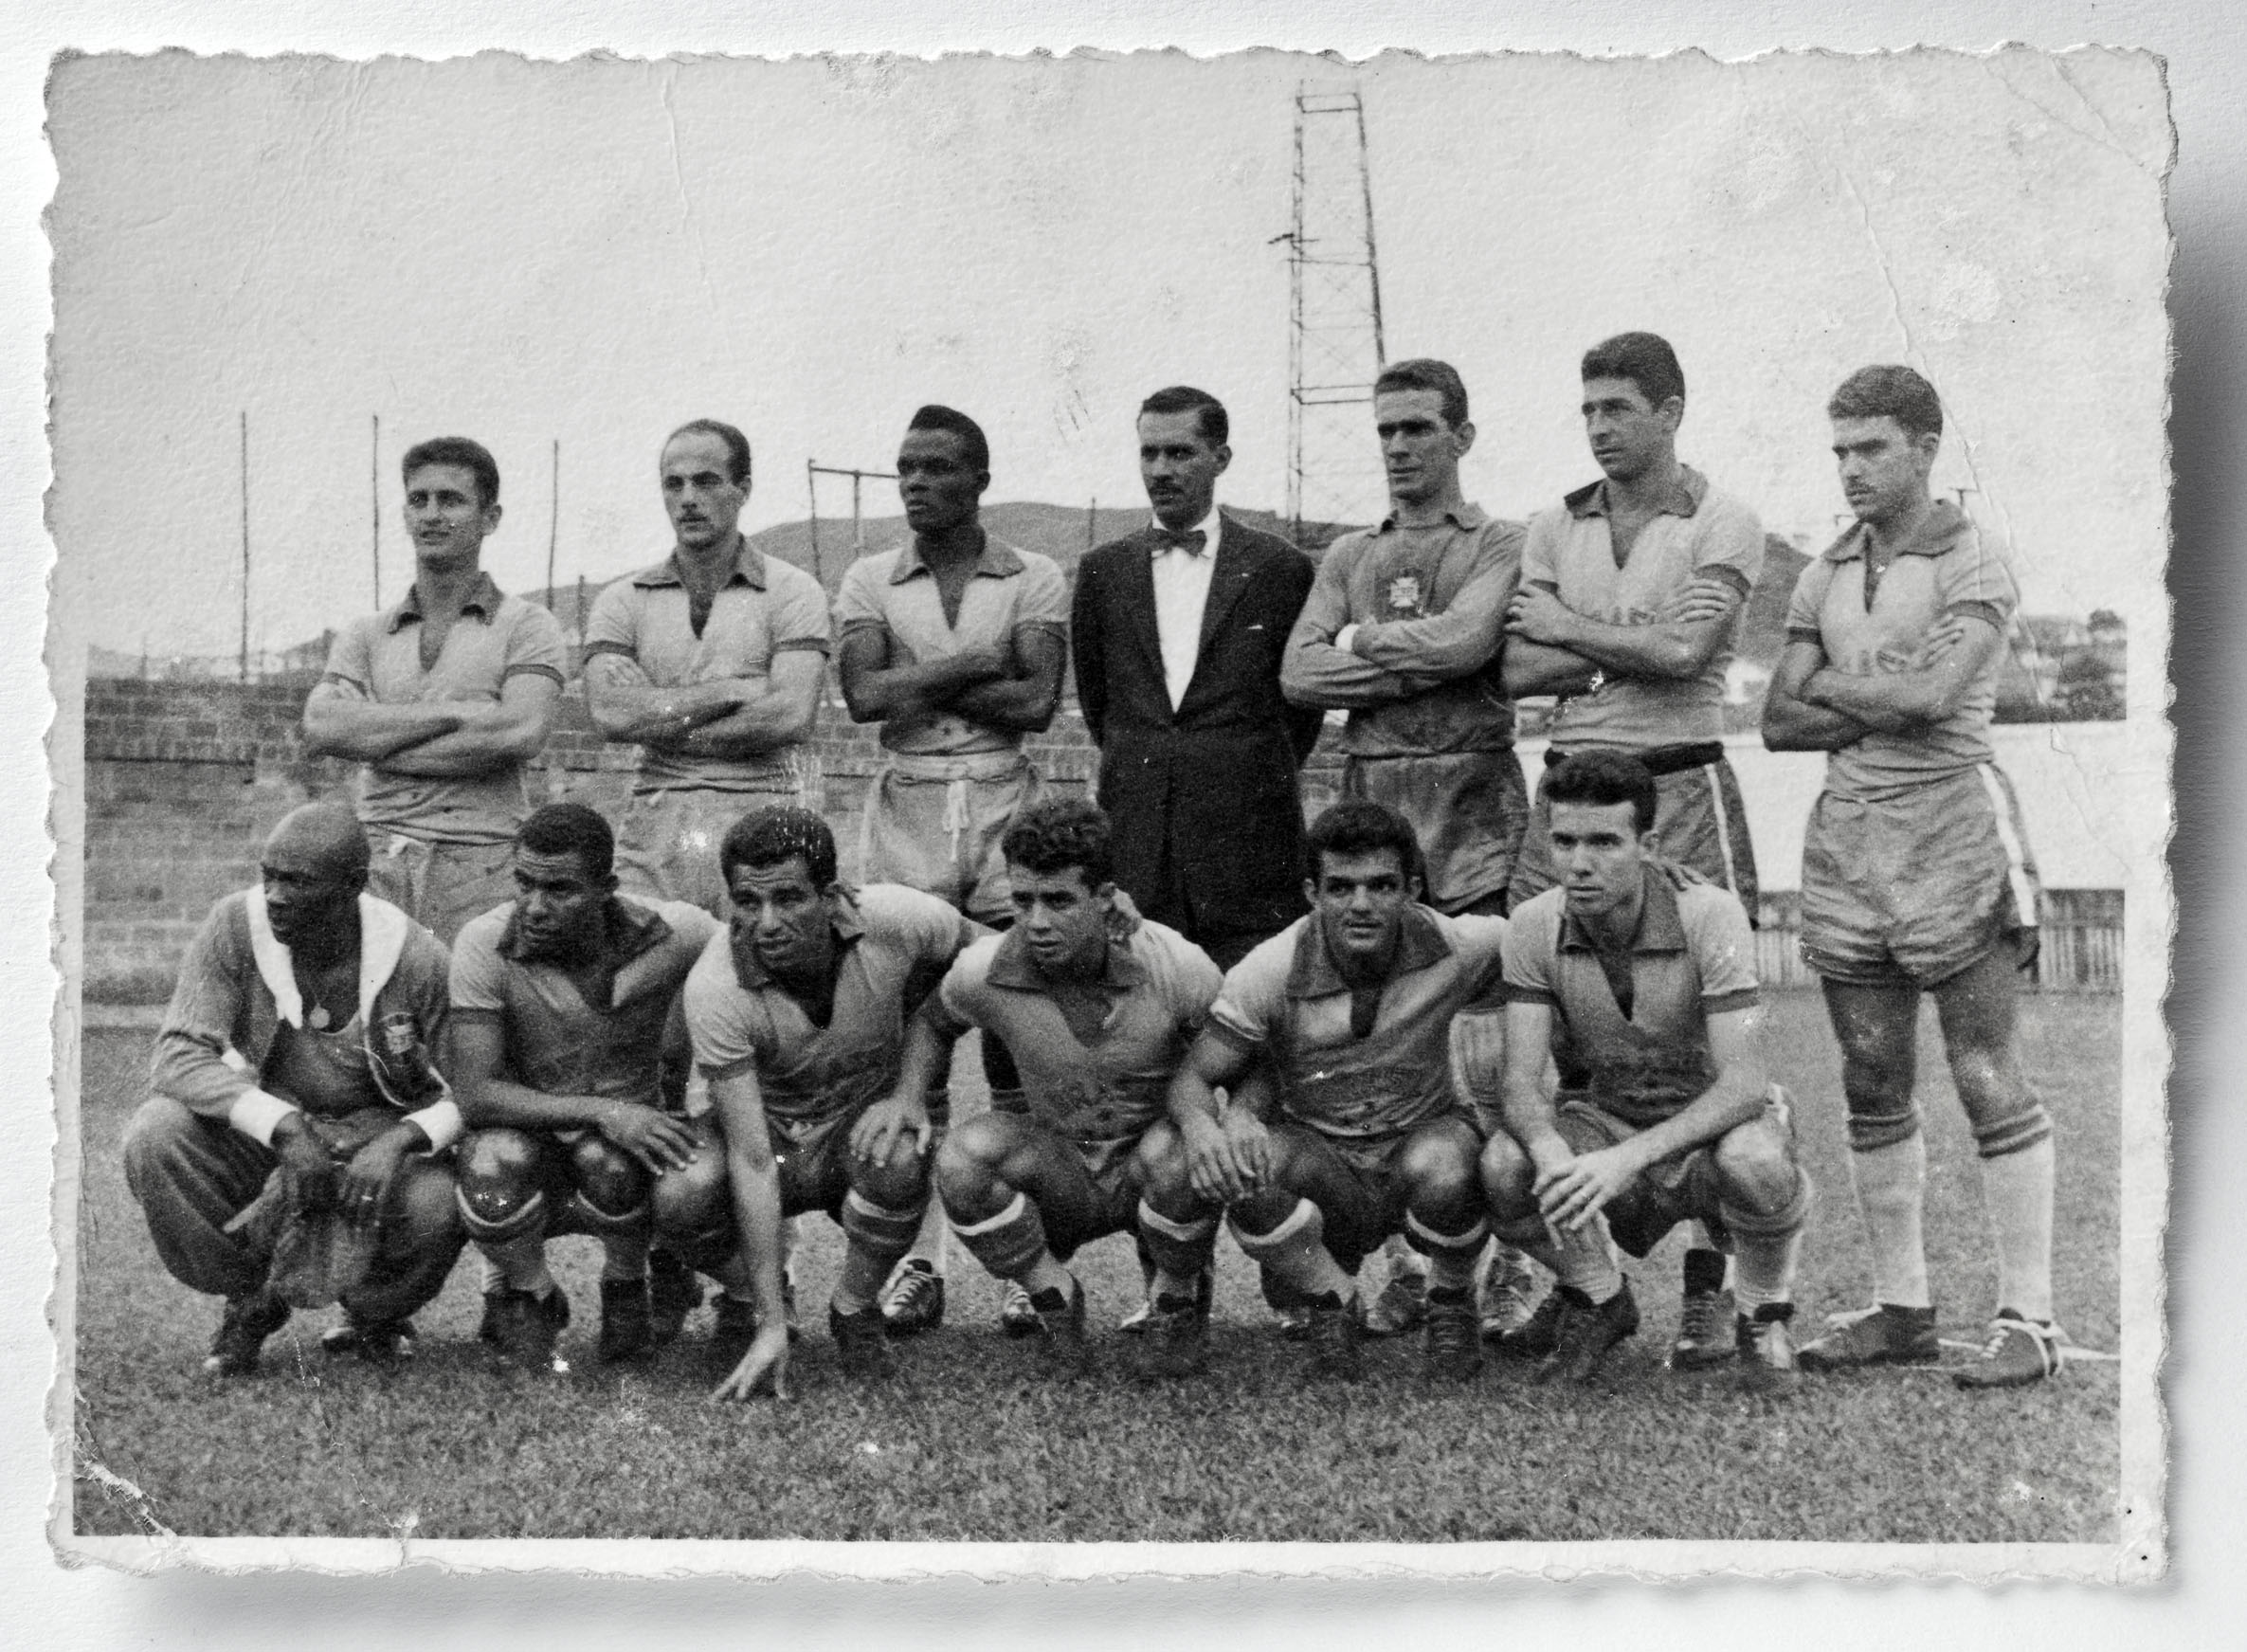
(570, 1061)
(1098, 1006)
(798, 1014)
(1640, 980)
(1344, 1019)
(295, 1047)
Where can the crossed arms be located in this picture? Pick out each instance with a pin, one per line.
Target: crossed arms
(1550, 648)
(1811, 706)
(731, 716)
(1333, 662)
(441, 739)
(1016, 688)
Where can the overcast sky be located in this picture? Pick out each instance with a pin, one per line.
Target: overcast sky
(596, 250)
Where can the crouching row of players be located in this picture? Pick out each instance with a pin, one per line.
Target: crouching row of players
(1376, 1068)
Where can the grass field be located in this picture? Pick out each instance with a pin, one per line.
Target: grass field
(962, 1447)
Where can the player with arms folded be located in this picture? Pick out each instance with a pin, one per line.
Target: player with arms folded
(1631, 594)
(1341, 1125)
(1639, 981)
(955, 644)
(798, 1013)
(1916, 873)
(443, 698)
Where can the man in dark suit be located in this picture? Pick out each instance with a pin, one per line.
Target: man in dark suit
(1178, 631)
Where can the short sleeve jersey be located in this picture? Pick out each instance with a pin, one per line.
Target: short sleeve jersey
(378, 656)
(1694, 957)
(895, 592)
(1945, 569)
(553, 1040)
(765, 608)
(1700, 534)
(897, 943)
(1288, 1001)
(1094, 1067)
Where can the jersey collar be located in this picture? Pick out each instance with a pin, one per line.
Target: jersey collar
(1682, 500)
(1313, 973)
(994, 559)
(484, 598)
(1661, 930)
(1937, 533)
(1466, 517)
(749, 569)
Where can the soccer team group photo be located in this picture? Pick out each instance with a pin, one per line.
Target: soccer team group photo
(1021, 1027)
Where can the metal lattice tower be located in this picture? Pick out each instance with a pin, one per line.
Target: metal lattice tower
(1335, 344)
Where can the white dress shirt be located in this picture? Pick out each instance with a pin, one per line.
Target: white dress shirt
(1181, 592)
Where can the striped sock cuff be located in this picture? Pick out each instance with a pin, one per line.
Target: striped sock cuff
(1870, 1131)
(1008, 1242)
(2014, 1133)
(1786, 1220)
(1421, 1236)
(1183, 1232)
(1303, 1223)
(490, 1226)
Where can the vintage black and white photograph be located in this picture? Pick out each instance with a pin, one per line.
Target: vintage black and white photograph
(1115, 814)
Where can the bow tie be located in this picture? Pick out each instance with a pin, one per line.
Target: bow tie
(1191, 543)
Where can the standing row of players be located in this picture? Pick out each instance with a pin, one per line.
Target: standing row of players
(1205, 654)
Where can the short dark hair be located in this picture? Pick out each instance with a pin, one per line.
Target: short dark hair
(1645, 359)
(936, 417)
(736, 444)
(1424, 372)
(1888, 392)
(473, 457)
(1601, 779)
(1183, 398)
(1061, 832)
(1358, 825)
(571, 828)
(775, 835)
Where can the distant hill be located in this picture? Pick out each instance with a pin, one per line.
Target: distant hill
(1060, 532)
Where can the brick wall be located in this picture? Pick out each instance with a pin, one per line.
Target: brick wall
(185, 779)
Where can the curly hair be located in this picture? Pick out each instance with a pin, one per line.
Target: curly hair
(1058, 833)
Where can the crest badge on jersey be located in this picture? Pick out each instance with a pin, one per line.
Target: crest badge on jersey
(1403, 594)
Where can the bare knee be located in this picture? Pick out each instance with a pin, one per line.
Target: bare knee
(1159, 1163)
(607, 1177)
(1508, 1179)
(1755, 1166)
(968, 1163)
(691, 1198)
(1440, 1167)
(498, 1177)
(898, 1179)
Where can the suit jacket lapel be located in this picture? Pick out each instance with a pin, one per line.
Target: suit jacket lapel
(1138, 573)
(1227, 580)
